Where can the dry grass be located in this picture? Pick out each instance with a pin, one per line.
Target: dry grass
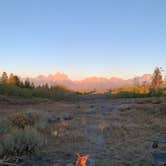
(113, 132)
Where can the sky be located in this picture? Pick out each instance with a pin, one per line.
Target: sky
(82, 38)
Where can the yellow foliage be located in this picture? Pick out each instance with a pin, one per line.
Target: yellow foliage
(136, 89)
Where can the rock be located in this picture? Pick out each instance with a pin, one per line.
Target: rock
(53, 119)
(78, 106)
(55, 133)
(92, 106)
(91, 111)
(70, 117)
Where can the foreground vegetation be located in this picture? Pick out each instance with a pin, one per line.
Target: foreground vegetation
(156, 88)
(13, 86)
(137, 92)
(113, 132)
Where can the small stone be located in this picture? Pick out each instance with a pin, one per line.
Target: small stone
(55, 133)
(78, 106)
(53, 119)
(92, 106)
(70, 117)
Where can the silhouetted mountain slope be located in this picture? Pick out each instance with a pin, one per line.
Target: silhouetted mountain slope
(90, 83)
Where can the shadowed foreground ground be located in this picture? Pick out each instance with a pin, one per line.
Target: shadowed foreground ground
(112, 132)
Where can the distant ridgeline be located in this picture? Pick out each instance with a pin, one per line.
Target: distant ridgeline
(90, 83)
(12, 86)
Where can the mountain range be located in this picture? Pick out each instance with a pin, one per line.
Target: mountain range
(90, 83)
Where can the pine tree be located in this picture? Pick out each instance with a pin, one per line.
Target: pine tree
(32, 85)
(157, 79)
(27, 84)
(4, 78)
(13, 79)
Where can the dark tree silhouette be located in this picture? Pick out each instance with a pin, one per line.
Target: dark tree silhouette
(13, 79)
(157, 79)
(4, 78)
(27, 84)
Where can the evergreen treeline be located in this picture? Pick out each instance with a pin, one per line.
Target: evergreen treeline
(156, 88)
(12, 86)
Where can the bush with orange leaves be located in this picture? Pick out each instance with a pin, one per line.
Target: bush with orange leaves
(82, 160)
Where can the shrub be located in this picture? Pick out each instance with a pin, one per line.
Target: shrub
(42, 124)
(21, 120)
(21, 142)
(54, 93)
(4, 126)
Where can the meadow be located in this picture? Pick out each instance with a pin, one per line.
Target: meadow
(112, 131)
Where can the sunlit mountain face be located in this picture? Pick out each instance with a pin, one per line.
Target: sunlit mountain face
(90, 83)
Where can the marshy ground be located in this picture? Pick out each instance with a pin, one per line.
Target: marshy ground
(112, 131)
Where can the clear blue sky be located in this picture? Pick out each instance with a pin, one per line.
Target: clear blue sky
(82, 37)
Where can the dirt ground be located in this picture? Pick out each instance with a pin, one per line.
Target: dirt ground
(112, 131)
